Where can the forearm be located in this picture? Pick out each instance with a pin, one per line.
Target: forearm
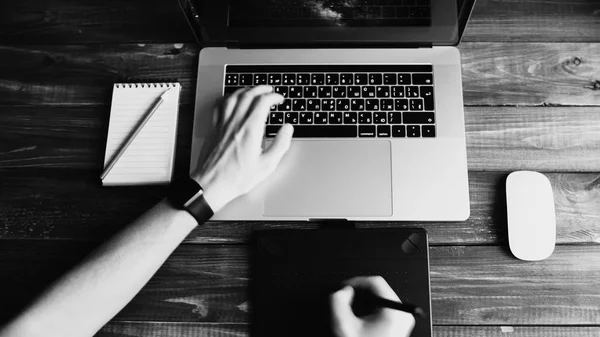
(87, 297)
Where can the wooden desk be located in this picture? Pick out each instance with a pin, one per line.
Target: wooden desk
(531, 74)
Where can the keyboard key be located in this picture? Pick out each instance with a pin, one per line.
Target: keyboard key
(357, 104)
(420, 12)
(310, 92)
(372, 104)
(402, 12)
(317, 79)
(428, 130)
(360, 79)
(314, 131)
(364, 118)
(427, 95)
(274, 79)
(412, 91)
(283, 91)
(422, 79)
(260, 79)
(339, 92)
(291, 117)
(231, 90)
(346, 79)
(245, 79)
(303, 79)
(354, 91)
(400, 104)
(380, 117)
(394, 118)
(343, 104)
(285, 106)
(383, 92)
(389, 79)
(335, 118)
(368, 91)
(386, 104)
(276, 118)
(332, 79)
(413, 131)
(398, 91)
(328, 105)
(366, 130)
(313, 105)
(404, 79)
(416, 104)
(383, 131)
(299, 104)
(418, 117)
(350, 118)
(398, 131)
(320, 118)
(306, 118)
(289, 79)
(295, 92)
(325, 92)
(375, 79)
(231, 79)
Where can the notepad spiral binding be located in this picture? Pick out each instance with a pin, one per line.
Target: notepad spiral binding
(145, 85)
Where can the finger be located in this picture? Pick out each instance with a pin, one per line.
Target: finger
(375, 284)
(279, 146)
(246, 99)
(342, 317)
(228, 105)
(261, 106)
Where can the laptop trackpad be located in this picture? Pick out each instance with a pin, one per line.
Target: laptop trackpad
(337, 179)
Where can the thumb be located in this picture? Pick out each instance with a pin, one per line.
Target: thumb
(279, 146)
(342, 317)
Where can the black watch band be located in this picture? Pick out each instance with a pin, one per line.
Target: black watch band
(186, 194)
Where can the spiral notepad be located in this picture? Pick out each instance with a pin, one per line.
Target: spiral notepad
(149, 158)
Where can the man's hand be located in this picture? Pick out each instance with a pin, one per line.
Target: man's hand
(383, 323)
(238, 163)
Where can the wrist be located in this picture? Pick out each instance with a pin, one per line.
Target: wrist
(186, 194)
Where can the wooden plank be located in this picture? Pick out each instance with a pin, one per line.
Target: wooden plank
(73, 205)
(92, 21)
(504, 74)
(113, 21)
(167, 329)
(498, 138)
(470, 285)
(534, 20)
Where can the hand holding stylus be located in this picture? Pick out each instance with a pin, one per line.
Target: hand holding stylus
(384, 322)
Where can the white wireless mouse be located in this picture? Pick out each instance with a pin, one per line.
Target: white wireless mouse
(531, 215)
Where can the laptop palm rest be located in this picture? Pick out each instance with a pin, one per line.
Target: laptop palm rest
(332, 179)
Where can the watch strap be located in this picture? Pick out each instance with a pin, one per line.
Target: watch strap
(186, 194)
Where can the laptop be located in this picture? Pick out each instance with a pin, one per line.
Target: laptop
(373, 89)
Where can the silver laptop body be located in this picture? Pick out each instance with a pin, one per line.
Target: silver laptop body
(380, 178)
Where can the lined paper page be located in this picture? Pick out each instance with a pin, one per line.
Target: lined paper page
(149, 158)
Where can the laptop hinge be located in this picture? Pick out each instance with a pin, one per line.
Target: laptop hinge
(324, 45)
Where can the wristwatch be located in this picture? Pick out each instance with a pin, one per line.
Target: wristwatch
(186, 194)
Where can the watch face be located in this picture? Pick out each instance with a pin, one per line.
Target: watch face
(183, 189)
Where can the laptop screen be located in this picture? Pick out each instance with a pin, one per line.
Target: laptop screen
(324, 23)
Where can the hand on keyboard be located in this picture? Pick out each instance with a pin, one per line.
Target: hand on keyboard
(237, 162)
(383, 323)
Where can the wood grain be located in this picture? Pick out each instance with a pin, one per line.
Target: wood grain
(534, 21)
(470, 285)
(92, 21)
(164, 329)
(138, 21)
(73, 205)
(522, 74)
(498, 138)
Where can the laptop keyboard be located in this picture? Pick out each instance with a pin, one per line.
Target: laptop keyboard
(345, 101)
